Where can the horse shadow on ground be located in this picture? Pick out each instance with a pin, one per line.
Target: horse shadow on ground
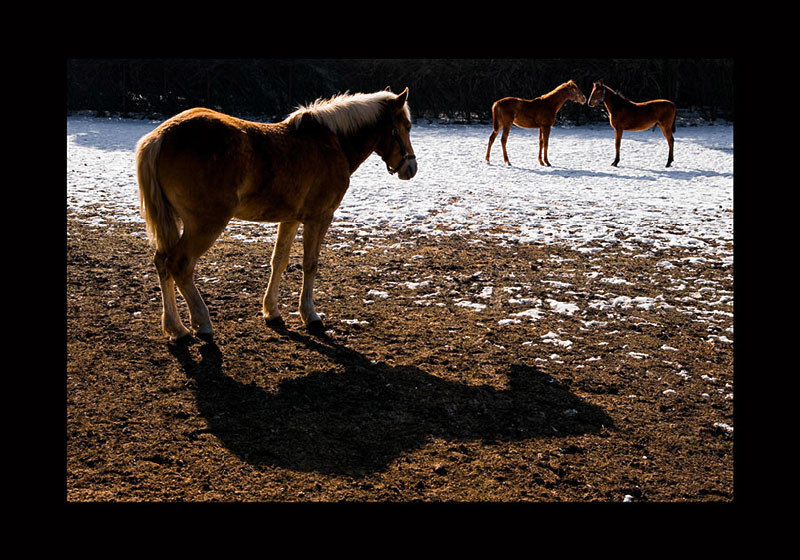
(358, 416)
(638, 173)
(570, 172)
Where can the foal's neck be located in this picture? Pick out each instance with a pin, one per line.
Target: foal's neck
(612, 100)
(559, 96)
(359, 145)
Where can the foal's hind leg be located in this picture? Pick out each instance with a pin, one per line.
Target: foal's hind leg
(181, 262)
(280, 258)
(503, 140)
(491, 141)
(171, 323)
(670, 141)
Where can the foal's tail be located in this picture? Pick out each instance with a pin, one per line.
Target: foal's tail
(159, 216)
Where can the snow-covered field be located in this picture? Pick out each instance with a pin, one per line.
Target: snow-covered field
(581, 201)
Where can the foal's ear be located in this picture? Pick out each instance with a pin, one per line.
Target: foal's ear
(388, 88)
(402, 98)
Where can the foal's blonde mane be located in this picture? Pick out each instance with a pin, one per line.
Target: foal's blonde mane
(565, 85)
(346, 113)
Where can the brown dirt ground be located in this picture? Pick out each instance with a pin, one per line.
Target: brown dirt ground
(407, 398)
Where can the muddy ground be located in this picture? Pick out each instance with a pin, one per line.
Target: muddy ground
(419, 396)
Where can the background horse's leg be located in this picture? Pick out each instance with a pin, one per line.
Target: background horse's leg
(544, 143)
(280, 258)
(181, 262)
(503, 139)
(170, 321)
(313, 234)
(491, 141)
(617, 142)
(665, 128)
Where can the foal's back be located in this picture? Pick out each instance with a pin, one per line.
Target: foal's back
(527, 113)
(643, 115)
(252, 171)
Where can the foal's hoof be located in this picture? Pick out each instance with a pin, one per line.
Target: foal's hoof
(206, 337)
(315, 327)
(276, 323)
(205, 332)
(183, 340)
(179, 337)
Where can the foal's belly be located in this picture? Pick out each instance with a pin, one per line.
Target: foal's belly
(267, 207)
(524, 122)
(288, 203)
(640, 127)
(264, 215)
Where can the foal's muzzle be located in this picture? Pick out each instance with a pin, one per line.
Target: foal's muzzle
(407, 168)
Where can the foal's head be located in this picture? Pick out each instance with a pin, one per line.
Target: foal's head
(598, 93)
(394, 146)
(575, 93)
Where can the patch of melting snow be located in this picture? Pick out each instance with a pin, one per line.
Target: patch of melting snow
(553, 338)
(723, 426)
(533, 314)
(563, 308)
(474, 306)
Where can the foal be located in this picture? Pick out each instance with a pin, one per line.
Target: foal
(202, 168)
(532, 113)
(629, 115)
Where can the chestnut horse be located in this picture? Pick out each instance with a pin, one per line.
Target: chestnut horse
(532, 113)
(629, 115)
(202, 168)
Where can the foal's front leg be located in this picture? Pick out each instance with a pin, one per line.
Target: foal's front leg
(313, 234)
(544, 144)
(280, 258)
(617, 142)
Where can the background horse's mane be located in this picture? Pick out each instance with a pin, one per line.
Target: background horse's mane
(615, 91)
(346, 113)
(556, 89)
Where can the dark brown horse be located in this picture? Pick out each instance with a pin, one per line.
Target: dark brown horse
(201, 168)
(629, 115)
(531, 113)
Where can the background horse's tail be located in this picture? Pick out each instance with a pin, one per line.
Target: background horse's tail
(495, 124)
(159, 216)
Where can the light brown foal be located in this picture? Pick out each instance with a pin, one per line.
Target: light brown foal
(201, 168)
(532, 113)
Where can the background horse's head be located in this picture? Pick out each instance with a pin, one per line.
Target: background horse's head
(394, 147)
(598, 93)
(575, 93)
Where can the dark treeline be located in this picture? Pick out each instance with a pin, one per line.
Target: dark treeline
(456, 89)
